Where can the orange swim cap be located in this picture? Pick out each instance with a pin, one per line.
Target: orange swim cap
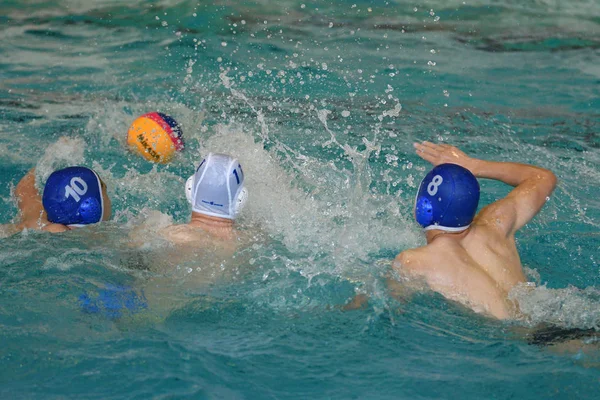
(155, 136)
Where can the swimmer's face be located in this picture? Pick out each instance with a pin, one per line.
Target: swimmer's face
(107, 203)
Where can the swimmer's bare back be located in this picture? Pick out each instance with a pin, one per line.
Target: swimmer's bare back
(479, 266)
(187, 235)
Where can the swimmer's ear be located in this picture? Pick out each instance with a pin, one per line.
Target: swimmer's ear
(91, 210)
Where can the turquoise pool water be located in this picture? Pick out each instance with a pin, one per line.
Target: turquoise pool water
(321, 101)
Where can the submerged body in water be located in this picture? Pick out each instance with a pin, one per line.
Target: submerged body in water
(208, 248)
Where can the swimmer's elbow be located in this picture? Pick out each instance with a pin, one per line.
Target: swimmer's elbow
(546, 182)
(546, 176)
(552, 179)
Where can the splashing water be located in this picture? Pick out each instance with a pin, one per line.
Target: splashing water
(334, 218)
(321, 103)
(64, 153)
(567, 308)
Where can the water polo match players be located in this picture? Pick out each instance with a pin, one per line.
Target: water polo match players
(472, 258)
(72, 197)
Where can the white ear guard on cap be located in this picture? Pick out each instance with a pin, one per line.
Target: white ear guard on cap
(189, 185)
(242, 199)
(217, 188)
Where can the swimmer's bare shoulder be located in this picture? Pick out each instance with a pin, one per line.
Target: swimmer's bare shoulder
(424, 262)
(177, 234)
(412, 262)
(185, 235)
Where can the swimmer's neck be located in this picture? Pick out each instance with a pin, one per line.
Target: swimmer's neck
(435, 233)
(209, 223)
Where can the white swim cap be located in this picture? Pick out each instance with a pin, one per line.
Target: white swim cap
(217, 187)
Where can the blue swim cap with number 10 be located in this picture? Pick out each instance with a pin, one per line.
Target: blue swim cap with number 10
(447, 199)
(73, 196)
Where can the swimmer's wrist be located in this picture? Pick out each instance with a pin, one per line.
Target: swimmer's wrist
(474, 165)
(485, 169)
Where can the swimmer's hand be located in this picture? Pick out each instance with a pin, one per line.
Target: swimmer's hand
(359, 301)
(532, 185)
(443, 153)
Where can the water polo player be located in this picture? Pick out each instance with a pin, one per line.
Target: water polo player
(217, 195)
(472, 257)
(72, 197)
(201, 249)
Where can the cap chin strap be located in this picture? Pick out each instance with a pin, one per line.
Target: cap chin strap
(446, 228)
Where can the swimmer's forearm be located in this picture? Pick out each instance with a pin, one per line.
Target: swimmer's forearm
(29, 200)
(508, 172)
(513, 174)
(26, 186)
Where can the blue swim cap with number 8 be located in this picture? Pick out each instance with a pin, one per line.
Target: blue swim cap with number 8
(73, 196)
(447, 199)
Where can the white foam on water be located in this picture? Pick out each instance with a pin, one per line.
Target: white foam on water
(65, 152)
(333, 227)
(570, 307)
(326, 215)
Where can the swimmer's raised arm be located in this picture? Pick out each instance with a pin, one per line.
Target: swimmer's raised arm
(532, 185)
(30, 205)
(29, 200)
